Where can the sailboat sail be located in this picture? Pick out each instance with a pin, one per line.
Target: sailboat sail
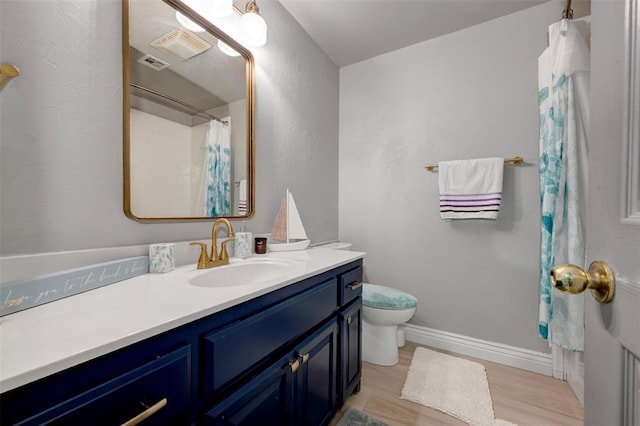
(279, 231)
(288, 232)
(295, 229)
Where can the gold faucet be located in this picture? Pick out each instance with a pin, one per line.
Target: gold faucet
(212, 260)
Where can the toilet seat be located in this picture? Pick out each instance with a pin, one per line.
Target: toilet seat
(380, 297)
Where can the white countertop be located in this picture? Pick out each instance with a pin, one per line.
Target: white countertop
(40, 341)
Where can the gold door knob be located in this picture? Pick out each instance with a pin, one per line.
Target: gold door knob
(573, 279)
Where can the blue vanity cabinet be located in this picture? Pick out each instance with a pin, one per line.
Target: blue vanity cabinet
(159, 390)
(316, 377)
(289, 357)
(351, 350)
(298, 389)
(350, 319)
(231, 352)
(265, 400)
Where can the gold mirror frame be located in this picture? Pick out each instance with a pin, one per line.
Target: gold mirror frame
(250, 105)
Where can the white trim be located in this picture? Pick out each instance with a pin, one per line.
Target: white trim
(526, 359)
(631, 119)
(558, 362)
(575, 373)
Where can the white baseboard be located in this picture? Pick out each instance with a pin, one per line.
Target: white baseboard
(574, 364)
(526, 359)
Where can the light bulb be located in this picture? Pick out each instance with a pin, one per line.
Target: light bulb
(226, 49)
(188, 23)
(216, 8)
(254, 29)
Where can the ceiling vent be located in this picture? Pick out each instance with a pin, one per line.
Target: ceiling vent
(181, 44)
(153, 62)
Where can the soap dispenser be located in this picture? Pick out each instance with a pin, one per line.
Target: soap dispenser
(243, 242)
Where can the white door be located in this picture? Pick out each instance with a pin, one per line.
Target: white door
(612, 336)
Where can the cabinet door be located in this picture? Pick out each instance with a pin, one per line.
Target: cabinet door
(265, 400)
(315, 401)
(350, 350)
(158, 391)
(233, 351)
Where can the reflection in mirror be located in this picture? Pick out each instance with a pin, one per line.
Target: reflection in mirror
(188, 133)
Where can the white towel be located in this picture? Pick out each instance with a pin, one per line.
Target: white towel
(242, 198)
(470, 189)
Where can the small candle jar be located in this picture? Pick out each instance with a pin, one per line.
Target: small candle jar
(260, 246)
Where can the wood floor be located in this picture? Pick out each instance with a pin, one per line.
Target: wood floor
(519, 396)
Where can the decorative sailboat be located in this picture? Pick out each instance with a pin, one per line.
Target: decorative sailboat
(288, 232)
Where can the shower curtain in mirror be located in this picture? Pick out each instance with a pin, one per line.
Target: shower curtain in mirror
(563, 81)
(217, 170)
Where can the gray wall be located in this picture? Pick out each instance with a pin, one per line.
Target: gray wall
(61, 130)
(469, 94)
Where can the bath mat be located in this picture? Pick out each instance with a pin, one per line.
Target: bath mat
(353, 417)
(455, 386)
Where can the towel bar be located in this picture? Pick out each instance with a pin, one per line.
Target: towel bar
(514, 160)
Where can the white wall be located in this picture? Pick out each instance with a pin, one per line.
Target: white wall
(61, 130)
(198, 158)
(161, 165)
(469, 94)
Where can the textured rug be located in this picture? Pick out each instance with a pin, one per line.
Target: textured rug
(455, 386)
(353, 417)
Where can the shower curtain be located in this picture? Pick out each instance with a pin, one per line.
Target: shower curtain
(563, 80)
(216, 185)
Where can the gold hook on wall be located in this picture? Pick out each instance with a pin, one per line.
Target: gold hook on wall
(7, 72)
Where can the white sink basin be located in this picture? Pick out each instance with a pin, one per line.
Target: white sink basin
(243, 273)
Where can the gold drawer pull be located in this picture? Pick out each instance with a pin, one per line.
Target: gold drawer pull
(303, 358)
(355, 286)
(293, 365)
(146, 413)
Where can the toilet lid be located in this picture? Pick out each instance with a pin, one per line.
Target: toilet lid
(377, 296)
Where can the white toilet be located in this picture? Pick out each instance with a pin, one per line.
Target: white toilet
(383, 310)
(339, 245)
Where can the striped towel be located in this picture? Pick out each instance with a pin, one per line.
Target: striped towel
(242, 198)
(470, 189)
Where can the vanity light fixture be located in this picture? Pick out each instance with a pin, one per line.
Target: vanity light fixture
(248, 27)
(253, 26)
(211, 9)
(217, 8)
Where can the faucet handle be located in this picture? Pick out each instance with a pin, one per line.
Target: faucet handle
(203, 259)
(224, 255)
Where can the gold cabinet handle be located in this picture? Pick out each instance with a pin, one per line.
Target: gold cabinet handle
(146, 413)
(349, 319)
(573, 279)
(355, 286)
(293, 365)
(303, 358)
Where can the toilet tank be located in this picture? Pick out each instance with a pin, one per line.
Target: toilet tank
(336, 246)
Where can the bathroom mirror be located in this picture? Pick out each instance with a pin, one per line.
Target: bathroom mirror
(188, 116)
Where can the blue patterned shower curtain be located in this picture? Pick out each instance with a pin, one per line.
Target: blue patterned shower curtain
(217, 201)
(563, 80)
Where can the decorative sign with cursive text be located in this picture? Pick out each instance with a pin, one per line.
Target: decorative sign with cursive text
(19, 295)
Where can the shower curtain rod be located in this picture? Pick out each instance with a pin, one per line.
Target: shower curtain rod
(178, 101)
(514, 160)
